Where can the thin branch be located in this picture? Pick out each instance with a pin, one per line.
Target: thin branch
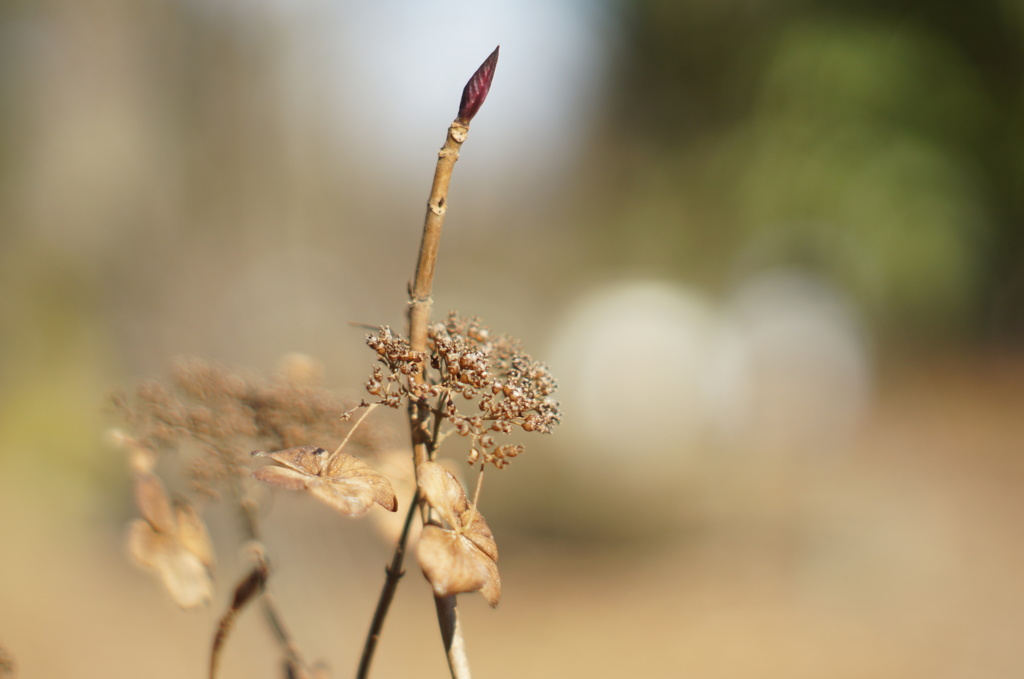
(276, 624)
(451, 635)
(479, 484)
(393, 573)
(420, 300)
(250, 527)
(250, 587)
(355, 426)
(420, 303)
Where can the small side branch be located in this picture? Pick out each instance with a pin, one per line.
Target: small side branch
(249, 588)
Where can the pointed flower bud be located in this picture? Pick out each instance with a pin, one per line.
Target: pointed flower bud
(476, 89)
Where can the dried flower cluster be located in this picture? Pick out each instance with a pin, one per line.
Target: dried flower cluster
(225, 415)
(220, 416)
(509, 389)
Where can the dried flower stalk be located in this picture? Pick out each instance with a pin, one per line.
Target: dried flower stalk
(420, 303)
(455, 378)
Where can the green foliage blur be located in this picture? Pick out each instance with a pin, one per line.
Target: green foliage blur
(878, 144)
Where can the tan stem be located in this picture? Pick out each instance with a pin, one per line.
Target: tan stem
(437, 205)
(420, 303)
(451, 635)
(393, 574)
(369, 409)
(420, 300)
(423, 439)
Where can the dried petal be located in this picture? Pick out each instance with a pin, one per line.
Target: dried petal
(442, 491)
(151, 499)
(476, 89)
(184, 573)
(462, 558)
(193, 535)
(451, 563)
(344, 482)
(305, 459)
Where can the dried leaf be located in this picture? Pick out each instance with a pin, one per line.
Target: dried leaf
(396, 465)
(192, 534)
(153, 503)
(183, 573)
(173, 542)
(344, 482)
(463, 557)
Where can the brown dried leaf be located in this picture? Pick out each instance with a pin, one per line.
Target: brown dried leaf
(151, 499)
(173, 541)
(396, 465)
(453, 565)
(462, 558)
(444, 493)
(344, 482)
(185, 574)
(192, 534)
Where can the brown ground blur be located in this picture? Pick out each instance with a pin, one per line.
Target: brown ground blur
(902, 560)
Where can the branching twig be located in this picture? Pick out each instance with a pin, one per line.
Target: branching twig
(369, 409)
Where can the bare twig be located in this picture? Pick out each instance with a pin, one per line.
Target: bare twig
(393, 573)
(292, 656)
(369, 409)
(451, 635)
(250, 587)
(250, 527)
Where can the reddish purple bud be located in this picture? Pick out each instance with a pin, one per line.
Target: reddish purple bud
(477, 88)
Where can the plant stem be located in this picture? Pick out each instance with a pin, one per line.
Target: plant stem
(367, 411)
(437, 206)
(420, 303)
(250, 527)
(394, 573)
(420, 300)
(451, 635)
(276, 624)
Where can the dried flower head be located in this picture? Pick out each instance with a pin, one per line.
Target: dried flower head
(224, 415)
(507, 389)
(462, 557)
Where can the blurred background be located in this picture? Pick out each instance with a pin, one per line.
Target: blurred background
(773, 251)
